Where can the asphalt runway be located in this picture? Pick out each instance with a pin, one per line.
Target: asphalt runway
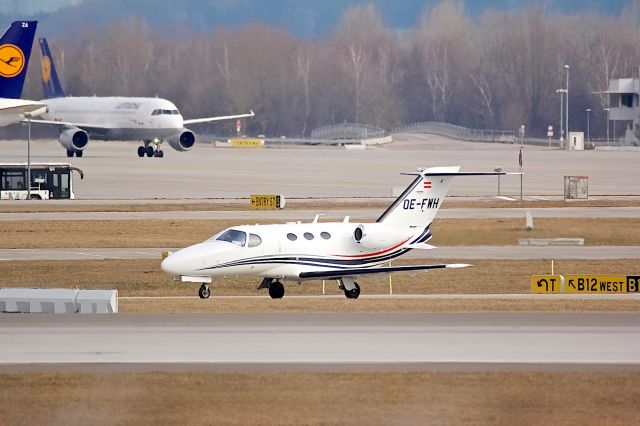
(329, 339)
(114, 171)
(441, 252)
(308, 215)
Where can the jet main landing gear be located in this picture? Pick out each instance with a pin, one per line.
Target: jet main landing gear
(204, 291)
(276, 290)
(350, 287)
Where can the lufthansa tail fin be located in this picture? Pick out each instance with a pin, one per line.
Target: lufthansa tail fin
(51, 86)
(419, 203)
(15, 50)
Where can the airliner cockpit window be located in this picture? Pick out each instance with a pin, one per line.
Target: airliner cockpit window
(156, 112)
(175, 112)
(234, 236)
(166, 112)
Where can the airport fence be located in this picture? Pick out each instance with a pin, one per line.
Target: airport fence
(347, 131)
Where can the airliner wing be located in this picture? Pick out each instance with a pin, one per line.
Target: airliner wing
(13, 110)
(84, 126)
(340, 273)
(209, 119)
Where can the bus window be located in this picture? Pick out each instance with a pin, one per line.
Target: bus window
(13, 179)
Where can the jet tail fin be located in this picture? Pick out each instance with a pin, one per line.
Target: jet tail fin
(51, 86)
(15, 50)
(419, 203)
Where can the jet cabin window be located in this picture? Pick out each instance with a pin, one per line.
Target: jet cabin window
(254, 240)
(234, 236)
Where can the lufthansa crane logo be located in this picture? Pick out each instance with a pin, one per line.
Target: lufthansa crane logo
(11, 60)
(46, 69)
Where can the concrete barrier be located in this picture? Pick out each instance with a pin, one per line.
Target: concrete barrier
(58, 300)
(551, 242)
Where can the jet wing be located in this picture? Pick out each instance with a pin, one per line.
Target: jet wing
(12, 110)
(220, 118)
(340, 273)
(84, 126)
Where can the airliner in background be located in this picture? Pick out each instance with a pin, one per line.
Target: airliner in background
(341, 251)
(151, 120)
(15, 50)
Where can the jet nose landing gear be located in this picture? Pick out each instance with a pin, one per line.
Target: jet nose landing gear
(350, 287)
(149, 150)
(204, 291)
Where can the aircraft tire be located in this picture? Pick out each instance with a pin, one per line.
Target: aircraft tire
(79, 153)
(149, 151)
(276, 290)
(160, 153)
(69, 153)
(141, 151)
(354, 293)
(204, 291)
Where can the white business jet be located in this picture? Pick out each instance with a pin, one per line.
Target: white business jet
(151, 120)
(340, 251)
(15, 50)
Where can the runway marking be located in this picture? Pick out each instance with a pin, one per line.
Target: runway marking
(89, 254)
(502, 197)
(416, 296)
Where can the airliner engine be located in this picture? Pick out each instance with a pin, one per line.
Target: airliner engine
(74, 140)
(378, 235)
(183, 141)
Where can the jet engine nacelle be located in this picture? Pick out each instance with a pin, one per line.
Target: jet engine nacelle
(183, 141)
(379, 235)
(74, 139)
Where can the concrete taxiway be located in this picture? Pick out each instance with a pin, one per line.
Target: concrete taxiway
(113, 169)
(240, 340)
(441, 252)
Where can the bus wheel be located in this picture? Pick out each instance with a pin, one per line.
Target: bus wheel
(69, 153)
(35, 197)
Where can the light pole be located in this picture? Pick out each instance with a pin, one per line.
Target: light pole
(28, 116)
(566, 117)
(607, 109)
(561, 91)
(588, 133)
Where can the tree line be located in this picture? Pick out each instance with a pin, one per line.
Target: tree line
(498, 71)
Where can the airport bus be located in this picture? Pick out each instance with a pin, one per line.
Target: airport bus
(48, 181)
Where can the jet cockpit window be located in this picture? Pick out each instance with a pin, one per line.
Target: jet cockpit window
(175, 112)
(234, 236)
(156, 112)
(166, 112)
(254, 240)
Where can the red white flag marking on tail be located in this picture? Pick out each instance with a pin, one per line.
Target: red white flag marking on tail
(427, 184)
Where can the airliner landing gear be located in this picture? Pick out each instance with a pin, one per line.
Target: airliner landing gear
(204, 291)
(70, 153)
(276, 290)
(350, 287)
(149, 150)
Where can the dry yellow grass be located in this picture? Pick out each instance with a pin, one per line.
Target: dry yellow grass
(284, 398)
(180, 233)
(145, 278)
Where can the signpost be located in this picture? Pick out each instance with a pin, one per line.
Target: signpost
(266, 202)
(589, 284)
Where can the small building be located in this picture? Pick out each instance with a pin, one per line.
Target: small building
(624, 105)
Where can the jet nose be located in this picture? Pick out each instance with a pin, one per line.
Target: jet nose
(173, 264)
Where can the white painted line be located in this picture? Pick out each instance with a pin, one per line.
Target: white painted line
(89, 254)
(502, 197)
(624, 296)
